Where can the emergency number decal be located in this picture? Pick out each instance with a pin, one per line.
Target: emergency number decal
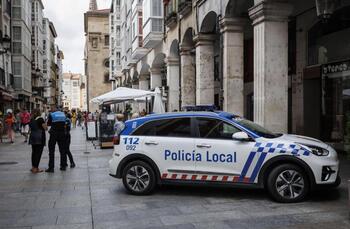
(131, 143)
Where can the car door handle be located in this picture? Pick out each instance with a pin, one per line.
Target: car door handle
(151, 143)
(204, 146)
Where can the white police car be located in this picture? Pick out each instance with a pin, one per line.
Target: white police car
(220, 148)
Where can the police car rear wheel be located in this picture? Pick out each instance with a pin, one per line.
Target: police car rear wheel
(288, 183)
(139, 178)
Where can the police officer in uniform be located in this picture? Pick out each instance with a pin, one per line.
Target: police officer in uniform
(57, 121)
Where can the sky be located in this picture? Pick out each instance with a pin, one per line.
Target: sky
(68, 18)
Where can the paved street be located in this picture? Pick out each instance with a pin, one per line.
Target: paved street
(87, 197)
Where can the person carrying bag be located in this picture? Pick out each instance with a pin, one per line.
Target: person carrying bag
(37, 139)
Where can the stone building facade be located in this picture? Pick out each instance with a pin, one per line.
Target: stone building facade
(97, 53)
(115, 42)
(50, 68)
(282, 63)
(74, 93)
(6, 77)
(22, 52)
(37, 53)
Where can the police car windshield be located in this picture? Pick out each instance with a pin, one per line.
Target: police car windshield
(257, 129)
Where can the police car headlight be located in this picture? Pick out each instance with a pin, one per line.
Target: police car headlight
(318, 151)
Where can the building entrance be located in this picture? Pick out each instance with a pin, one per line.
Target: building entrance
(336, 103)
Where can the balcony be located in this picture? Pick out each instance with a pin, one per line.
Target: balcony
(36, 72)
(171, 19)
(137, 49)
(153, 32)
(38, 84)
(170, 13)
(184, 7)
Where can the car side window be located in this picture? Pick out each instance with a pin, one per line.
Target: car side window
(215, 129)
(146, 130)
(179, 127)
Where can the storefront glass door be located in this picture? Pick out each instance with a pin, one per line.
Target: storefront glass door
(336, 108)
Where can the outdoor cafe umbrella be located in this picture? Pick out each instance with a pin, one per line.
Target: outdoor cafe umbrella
(158, 106)
(121, 94)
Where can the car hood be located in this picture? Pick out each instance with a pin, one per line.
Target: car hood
(304, 140)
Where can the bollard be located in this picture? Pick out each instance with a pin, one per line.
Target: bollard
(349, 196)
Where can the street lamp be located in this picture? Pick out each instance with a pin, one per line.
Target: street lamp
(325, 8)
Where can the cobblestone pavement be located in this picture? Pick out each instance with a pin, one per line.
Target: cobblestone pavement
(87, 197)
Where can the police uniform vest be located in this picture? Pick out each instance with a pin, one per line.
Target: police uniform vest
(57, 120)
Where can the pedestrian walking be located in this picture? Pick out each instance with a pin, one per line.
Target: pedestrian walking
(74, 119)
(37, 139)
(17, 125)
(68, 140)
(86, 117)
(57, 122)
(119, 125)
(10, 124)
(24, 120)
(80, 116)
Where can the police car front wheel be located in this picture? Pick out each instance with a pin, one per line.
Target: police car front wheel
(288, 183)
(139, 178)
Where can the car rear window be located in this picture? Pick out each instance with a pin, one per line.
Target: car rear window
(179, 127)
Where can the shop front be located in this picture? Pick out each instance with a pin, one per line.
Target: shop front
(327, 80)
(336, 103)
(6, 101)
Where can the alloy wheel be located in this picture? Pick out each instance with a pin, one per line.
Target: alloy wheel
(137, 178)
(290, 184)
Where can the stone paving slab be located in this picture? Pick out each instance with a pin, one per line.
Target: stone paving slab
(86, 197)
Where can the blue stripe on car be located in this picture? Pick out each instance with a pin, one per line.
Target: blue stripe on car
(246, 166)
(257, 167)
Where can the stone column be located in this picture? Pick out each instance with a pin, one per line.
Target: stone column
(204, 69)
(173, 83)
(188, 76)
(144, 82)
(143, 85)
(270, 21)
(156, 78)
(233, 64)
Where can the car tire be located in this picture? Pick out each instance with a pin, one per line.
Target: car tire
(139, 178)
(288, 183)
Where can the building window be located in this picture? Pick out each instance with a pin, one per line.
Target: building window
(133, 30)
(16, 11)
(106, 40)
(106, 77)
(94, 42)
(157, 8)
(17, 47)
(17, 70)
(45, 64)
(118, 58)
(17, 33)
(17, 2)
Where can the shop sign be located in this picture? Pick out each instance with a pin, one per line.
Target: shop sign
(336, 67)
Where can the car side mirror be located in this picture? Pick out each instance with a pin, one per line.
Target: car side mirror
(241, 136)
